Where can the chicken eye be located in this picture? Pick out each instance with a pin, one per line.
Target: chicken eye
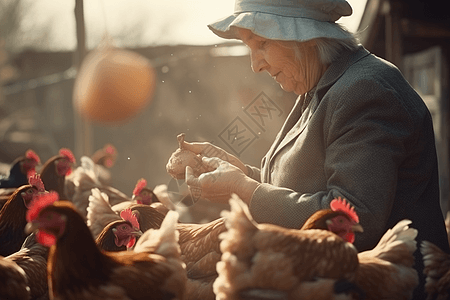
(30, 191)
(124, 227)
(144, 193)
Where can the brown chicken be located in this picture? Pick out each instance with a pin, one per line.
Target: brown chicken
(436, 270)
(340, 219)
(104, 159)
(78, 269)
(105, 156)
(12, 215)
(55, 170)
(120, 235)
(32, 259)
(142, 194)
(158, 198)
(291, 262)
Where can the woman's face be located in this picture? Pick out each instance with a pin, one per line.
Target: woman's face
(295, 73)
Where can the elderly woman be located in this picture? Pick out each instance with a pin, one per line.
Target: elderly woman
(357, 130)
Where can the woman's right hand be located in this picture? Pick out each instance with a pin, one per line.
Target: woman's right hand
(207, 149)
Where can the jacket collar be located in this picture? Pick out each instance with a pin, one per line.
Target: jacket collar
(337, 68)
(331, 75)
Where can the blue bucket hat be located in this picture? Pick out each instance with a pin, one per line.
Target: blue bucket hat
(286, 20)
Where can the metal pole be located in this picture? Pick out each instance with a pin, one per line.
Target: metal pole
(83, 128)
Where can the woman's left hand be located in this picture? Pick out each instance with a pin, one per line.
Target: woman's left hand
(218, 185)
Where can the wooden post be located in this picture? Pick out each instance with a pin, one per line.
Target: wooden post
(83, 128)
(394, 48)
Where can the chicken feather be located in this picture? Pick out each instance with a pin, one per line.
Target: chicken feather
(437, 271)
(390, 265)
(32, 258)
(99, 212)
(13, 281)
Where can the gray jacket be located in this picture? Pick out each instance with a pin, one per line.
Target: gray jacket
(367, 136)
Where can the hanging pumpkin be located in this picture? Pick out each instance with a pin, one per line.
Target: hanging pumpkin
(113, 85)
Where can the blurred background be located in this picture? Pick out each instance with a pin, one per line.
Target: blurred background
(204, 85)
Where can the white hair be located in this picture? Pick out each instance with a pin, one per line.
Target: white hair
(329, 49)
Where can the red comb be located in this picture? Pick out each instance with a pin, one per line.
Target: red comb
(140, 185)
(39, 203)
(128, 215)
(109, 163)
(110, 149)
(342, 205)
(68, 154)
(30, 154)
(35, 180)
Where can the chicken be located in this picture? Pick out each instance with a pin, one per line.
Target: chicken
(12, 215)
(142, 194)
(340, 219)
(32, 259)
(120, 235)
(21, 169)
(78, 269)
(55, 170)
(105, 156)
(292, 262)
(104, 159)
(436, 270)
(100, 214)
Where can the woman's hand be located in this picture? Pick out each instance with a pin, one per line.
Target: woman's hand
(218, 185)
(206, 149)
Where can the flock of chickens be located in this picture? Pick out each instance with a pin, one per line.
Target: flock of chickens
(65, 233)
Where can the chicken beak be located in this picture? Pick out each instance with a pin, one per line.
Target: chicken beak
(137, 233)
(31, 227)
(357, 228)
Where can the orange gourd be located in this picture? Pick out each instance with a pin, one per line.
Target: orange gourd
(113, 85)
